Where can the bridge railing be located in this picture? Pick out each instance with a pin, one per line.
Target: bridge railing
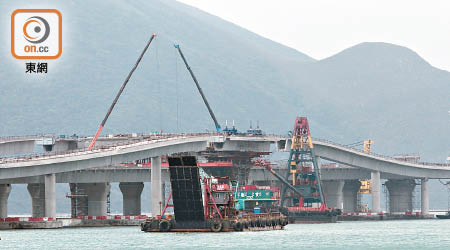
(24, 137)
(379, 155)
(84, 150)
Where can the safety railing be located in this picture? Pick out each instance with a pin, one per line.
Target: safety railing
(84, 150)
(132, 141)
(379, 155)
(24, 137)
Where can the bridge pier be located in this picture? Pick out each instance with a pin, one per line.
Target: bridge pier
(376, 194)
(97, 194)
(131, 192)
(350, 192)
(400, 195)
(424, 195)
(43, 197)
(156, 186)
(50, 195)
(5, 189)
(37, 194)
(333, 193)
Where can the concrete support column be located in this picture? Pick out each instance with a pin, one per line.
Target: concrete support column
(376, 193)
(425, 198)
(5, 189)
(156, 186)
(50, 195)
(350, 192)
(131, 192)
(37, 194)
(97, 193)
(400, 195)
(333, 193)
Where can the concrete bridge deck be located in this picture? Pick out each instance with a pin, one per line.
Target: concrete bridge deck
(92, 168)
(359, 159)
(129, 151)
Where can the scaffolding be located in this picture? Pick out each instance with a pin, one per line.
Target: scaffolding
(78, 200)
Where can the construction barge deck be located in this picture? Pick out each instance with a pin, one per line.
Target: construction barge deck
(254, 223)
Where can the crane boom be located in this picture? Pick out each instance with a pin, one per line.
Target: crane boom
(99, 130)
(211, 113)
(280, 178)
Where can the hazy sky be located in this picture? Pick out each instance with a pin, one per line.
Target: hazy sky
(321, 28)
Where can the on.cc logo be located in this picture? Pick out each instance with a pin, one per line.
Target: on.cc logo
(40, 28)
(36, 34)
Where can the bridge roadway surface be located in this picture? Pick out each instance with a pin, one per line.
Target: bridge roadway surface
(191, 143)
(17, 145)
(128, 152)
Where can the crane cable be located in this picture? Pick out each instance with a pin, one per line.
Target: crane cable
(159, 89)
(176, 84)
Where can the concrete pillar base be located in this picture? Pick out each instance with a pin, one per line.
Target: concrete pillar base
(131, 192)
(350, 192)
(400, 195)
(50, 195)
(97, 194)
(37, 193)
(156, 186)
(5, 189)
(376, 193)
(333, 193)
(43, 197)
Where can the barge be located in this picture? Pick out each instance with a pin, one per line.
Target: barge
(206, 204)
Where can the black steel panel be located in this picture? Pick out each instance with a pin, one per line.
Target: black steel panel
(186, 189)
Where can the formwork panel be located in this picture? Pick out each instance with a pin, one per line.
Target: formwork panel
(186, 189)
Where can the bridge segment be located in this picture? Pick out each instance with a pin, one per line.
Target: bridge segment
(60, 167)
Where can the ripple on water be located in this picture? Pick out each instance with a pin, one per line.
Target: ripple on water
(419, 234)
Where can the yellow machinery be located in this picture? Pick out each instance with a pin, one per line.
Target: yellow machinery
(366, 185)
(367, 144)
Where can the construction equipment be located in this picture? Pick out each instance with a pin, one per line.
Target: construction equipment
(261, 163)
(256, 131)
(367, 145)
(303, 167)
(366, 184)
(227, 130)
(302, 198)
(211, 113)
(99, 130)
(213, 211)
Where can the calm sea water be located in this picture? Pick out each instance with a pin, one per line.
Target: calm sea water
(423, 234)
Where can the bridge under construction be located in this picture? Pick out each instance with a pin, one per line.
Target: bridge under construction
(90, 163)
(133, 160)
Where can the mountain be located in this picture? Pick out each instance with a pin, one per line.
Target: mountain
(384, 92)
(381, 91)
